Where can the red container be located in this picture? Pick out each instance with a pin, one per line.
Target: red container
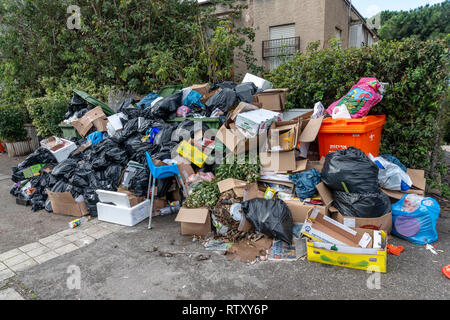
(1, 147)
(340, 134)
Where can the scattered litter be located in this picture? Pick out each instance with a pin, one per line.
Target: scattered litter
(430, 248)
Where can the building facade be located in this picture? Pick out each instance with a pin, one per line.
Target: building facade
(283, 27)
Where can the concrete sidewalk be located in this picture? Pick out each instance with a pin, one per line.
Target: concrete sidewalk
(123, 265)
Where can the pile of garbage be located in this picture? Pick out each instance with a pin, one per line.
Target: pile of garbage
(261, 186)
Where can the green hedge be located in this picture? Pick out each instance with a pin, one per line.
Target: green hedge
(12, 120)
(47, 113)
(418, 76)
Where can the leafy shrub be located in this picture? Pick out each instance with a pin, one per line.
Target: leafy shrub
(417, 73)
(12, 120)
(47, 113)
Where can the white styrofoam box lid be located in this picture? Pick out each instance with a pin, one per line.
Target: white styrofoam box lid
(119, 199)
(259, 82)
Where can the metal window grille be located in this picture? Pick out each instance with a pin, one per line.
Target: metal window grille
(280, 47)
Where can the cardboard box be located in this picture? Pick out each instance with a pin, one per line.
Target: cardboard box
(318, 165)
(194, 221)
(283, 136)
(254, 123)
(231, 184)
(374, 259)
(234, 140)
(308, 144)
(300, 211)
(203, 89)
(382, 223)
(419, 185)
(63, 203)
(272, 99)
(95, 117)
(134, 200)
(321, 228)
(121, 210)
(279, 162)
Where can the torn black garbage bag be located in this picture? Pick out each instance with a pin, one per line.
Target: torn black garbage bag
(367, 205)
(271, 217)
(164, 108)
(65, 169)
(350, 171)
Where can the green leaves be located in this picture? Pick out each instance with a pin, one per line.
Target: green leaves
(12, 120)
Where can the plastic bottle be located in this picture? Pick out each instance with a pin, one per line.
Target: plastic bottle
(169, 210)
(75, 223)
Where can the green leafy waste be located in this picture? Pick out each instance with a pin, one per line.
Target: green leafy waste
(206, 194)
(247, 171)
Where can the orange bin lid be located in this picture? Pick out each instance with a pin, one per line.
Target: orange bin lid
(369, 123)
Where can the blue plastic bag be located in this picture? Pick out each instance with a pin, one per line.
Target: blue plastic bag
(305, 183)
(95, 137)
(414, 219)
(147, 101)
(193, 97)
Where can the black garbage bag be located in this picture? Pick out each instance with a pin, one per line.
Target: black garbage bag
(165, 151)
(17, 175)
(112, 174)
(48, 205)
(91, 199)
(165, 135)
(139, 150)
(271, 217)
(77, 104)
(15, 190)
(65, 169)
(130, 129)
(144, 125)
(83, 175)
(305, 183)
(245, 92)
(60, 186)
(223, 100)
(116, 155)
(164, 108)
(186, 130)
(139, 183)
(100, 163)
(351, 168)
(224, 85)
(367, 205)
(127, 108)
(38, 202)
(39, 156)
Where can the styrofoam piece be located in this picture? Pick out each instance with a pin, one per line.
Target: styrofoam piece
(261, 83)
(117, 198)
(63, 153)
(124, 216)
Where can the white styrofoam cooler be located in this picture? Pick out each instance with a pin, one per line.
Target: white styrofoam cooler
(120, 212)
(63, 153)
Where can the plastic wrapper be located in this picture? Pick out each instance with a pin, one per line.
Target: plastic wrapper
(305, 183)
(391, 176)
(394, 160)
(350, 171)
(367, 205)
(183, 111)
(271, 217)
(193, 98)
(414, 219)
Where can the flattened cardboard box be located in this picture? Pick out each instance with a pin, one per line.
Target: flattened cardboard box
(300, 211)
(278, 129)
(280, 162)
(63, 203)
(95, 117)
(382, 223)
(324, 229)
(419, 185)
(229, 184)
(272, 99)
(194, 221)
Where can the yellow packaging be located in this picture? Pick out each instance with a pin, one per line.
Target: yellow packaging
(373, 260)
(192, 153)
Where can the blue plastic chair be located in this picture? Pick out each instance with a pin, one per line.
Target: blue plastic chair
(161, 173)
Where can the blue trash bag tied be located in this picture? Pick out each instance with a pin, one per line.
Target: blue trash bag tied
(305, 183)
(394, 160)
(95, 137)
(414, 219)
(193, 98)
(147, 101)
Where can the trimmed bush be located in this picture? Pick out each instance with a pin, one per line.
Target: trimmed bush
(47, 113)
(417, 73)
(12, 120)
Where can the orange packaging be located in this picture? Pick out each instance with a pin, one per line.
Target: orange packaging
(340, 134)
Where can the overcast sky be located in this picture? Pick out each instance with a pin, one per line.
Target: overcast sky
(369, 8)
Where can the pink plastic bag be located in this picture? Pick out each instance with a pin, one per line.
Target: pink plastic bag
(363, 97)
(183, 111)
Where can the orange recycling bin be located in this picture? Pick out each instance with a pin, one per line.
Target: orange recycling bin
(340, 134)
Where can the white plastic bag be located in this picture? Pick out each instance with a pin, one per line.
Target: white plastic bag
(341, 112)
(391, 176)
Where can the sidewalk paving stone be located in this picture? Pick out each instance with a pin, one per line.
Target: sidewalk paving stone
(46, 256)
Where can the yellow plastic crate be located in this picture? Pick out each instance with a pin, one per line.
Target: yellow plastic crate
(373, 261)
